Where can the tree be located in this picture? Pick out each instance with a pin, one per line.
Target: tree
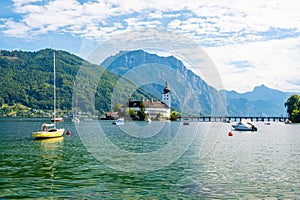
(174, 115)
(132, 113)
(293, 107)
(142, 113)
(295, 116)
(1, 101)
(118, 107)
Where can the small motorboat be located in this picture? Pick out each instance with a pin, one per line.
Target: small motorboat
(287, 121)
(48, 131)
(226, 121)
(186, 122)
(119, 121)
(149, 120)
(76, 120)
(244, 125)
(57, 119)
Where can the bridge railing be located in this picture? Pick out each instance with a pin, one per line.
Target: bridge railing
(231, 118)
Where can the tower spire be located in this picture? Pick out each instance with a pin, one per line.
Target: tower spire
(166, 89)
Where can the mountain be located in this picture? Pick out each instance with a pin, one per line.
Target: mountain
(27, 79)
(262, 101)
(191, 95)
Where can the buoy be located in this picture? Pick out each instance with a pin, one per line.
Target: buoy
(68, 133)
(230, 134)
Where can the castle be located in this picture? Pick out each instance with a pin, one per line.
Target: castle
(155, 108)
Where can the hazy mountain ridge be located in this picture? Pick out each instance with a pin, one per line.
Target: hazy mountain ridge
(262, 101)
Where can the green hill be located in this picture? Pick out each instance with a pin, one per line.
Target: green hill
(27, 79)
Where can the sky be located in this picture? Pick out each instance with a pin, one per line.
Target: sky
(250, 42)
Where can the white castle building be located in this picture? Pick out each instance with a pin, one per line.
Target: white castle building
(155, 108)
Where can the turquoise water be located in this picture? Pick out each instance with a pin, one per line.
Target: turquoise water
(209, 163)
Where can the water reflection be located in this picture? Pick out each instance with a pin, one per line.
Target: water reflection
(51, 144)
(51, 154)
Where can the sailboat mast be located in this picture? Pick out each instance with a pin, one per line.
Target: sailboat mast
(54, 91)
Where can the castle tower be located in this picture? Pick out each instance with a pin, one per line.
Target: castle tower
(166, 97)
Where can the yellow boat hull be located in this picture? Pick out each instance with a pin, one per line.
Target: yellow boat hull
(46, 134)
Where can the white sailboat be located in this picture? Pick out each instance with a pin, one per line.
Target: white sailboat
(50, 130)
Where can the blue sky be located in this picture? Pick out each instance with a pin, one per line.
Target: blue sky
(251, 43)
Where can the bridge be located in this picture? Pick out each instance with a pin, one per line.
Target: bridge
(231, 118)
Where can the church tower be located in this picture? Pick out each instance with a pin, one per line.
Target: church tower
(166, 97)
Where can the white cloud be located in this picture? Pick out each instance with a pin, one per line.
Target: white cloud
(19, 3)
(242, 21)
(155, 15)
(171, 15)
(175, 24)
(264, 34)
(17, 29)
(272, 63)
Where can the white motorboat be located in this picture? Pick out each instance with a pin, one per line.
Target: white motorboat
(287, 121)
(76, 120)
(149, 120)
(186, 122)
(57, 119)
(119, 121)
(244, 125)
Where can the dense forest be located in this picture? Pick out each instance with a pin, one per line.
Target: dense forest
(27, 81)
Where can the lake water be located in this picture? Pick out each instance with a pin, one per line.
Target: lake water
(150, 161)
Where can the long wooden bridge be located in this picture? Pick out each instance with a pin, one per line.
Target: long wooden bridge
(231, 118)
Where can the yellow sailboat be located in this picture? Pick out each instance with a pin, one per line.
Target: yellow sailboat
(50, 130)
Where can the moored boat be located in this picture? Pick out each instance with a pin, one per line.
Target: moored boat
(186, 122)
(244, 125)
(287, 121)
(119, 121)
(149, 120)
(57, 119)
(76, 120)
(48, 131)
